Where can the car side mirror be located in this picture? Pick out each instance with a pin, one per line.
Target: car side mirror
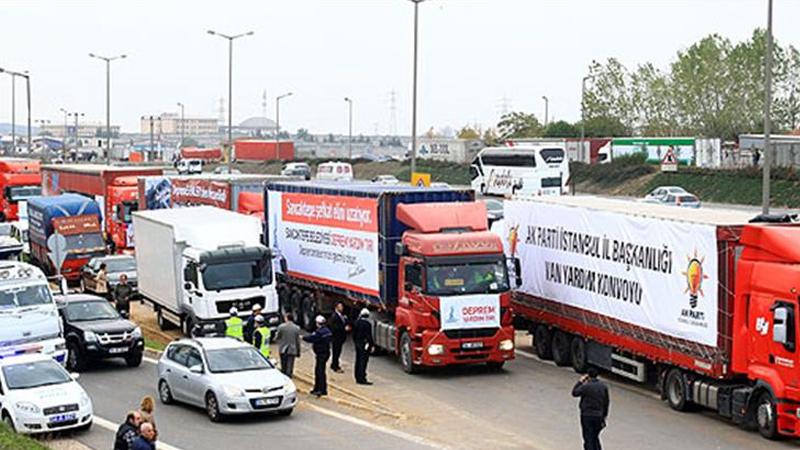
(196, 369)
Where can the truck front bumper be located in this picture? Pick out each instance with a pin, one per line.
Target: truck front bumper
(439, 349)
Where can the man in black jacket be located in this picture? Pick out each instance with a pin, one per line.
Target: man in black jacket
(594, 408)
(362, 338)
(250, 324)
(339, 326)
(320, 341)
(128, 431)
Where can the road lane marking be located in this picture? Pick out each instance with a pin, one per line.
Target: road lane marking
(414, 439)
(111, 426)
(150, 360)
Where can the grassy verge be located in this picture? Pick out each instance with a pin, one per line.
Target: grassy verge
(153, 345)
(10, 440)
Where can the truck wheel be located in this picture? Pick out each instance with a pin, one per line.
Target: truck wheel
(580, 361)
(308, 312)
(766, 416)
(187, 326)
(542, 341)
(677, 390)
(561, 348)
(407, 354)
(163, 323)
(296, 306)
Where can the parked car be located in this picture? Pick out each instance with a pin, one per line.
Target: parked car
(225, 376)
(297, 169)
(116, 265)
(683, 200)
(658, 194)
(335, 171)
(38, 396)
(224, 170)
(386, 179)
(95, 330)
(189, 166)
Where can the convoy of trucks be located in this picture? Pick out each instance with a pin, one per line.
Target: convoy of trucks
(113, 187)
(420, 258)
(222, 191)
(194, 264)
(20, 179)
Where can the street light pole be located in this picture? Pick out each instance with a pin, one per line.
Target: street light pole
(25, 75)
(77, 133)
(546, 106)
(414, 91)
(108, 99)
(278, 123)
(765, 190)
(230, 88)
(180, 146)
(350, 129)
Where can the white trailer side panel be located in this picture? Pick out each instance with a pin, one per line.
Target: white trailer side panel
(158, 262)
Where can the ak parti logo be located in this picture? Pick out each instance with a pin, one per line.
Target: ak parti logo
(513, 239)
(694, 278)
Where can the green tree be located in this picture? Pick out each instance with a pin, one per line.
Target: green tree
(519, 125)
(605, 127)
(489, 137)
(561, 129)
(469, 132)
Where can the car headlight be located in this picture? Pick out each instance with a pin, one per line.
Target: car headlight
(28, 407)
(137, 333)
(436, 349)
(85, 400)
(232, 391)
(506, 345)
(289, 387)
(89, 336)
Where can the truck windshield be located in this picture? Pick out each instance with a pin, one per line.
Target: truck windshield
(126, 210)
(465, 278)
(80, 243)
(17, 193)
(237, 274)
(35, 374)
(21, 297)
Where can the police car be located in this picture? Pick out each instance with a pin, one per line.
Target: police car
(37, 395)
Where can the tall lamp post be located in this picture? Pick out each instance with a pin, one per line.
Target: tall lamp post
(180, 146)
(23, 74)
(765, 194)
(546, 107)
(64, 142)
(350, 129)
(278, 123)
(414, 91)
(108, 60)
(76, 115)
(230, 88)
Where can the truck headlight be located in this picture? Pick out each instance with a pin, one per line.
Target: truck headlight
(506, 345)
(232, 391)
(436, 349)
(89, 336)
(28, 407)
(137, 333)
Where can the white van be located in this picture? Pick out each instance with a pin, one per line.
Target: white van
(189, 166)
(335, 171)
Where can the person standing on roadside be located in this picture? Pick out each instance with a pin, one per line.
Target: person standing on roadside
(339, 326)
(122, 296)
(250, 324)
(261, 336)
(288, 338)
(146, 409)
(320, 340)
(593, 406)
(128, 431)
(146, 439)
(233, 325)
(362, 338)
(101, 281)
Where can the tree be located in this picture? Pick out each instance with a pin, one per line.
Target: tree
(468, 132)
(604, 127)
(303, 135)
(489, 137)
(519, 125)
(561, 129)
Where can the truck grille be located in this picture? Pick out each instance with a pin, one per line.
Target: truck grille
(471, 334)
(245, 304)
(60, 409)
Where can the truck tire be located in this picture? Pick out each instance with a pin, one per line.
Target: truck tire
(163, 323)
(308, 312)
(766, 416)
(580, 360)
(542, 342)
(677, 390)
(561, 348)
(187, 326)
(407, 354)
(296, 307)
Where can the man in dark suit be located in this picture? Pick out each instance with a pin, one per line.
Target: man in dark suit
(339, 325)
(362, 338)
(288, 339)
(321, 344)
(594, 408)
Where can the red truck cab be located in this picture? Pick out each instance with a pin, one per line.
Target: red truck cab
(454, 303)
(20, 179)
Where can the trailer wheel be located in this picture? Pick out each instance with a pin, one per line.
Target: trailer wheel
(677, 390)
(542, 342)
(163, 323)
(308, 312)
(561, 348)
(296, 307)
(580, 361)
(407, 354)
(766, 416)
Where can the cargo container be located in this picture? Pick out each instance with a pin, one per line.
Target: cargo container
(420, 258)
(20, 179)
(461, 151)
(222, 191)
(77, 220)
(251, 204)
(263, 150)
(113, 187)
(700, 302)
(206, 154)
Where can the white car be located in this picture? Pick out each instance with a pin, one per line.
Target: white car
(658, 194)
(189, 166)
(386, 179)
(38, 396)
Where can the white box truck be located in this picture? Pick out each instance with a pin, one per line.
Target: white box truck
(195, 264)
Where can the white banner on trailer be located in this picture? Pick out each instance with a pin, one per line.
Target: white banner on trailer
(657, 274)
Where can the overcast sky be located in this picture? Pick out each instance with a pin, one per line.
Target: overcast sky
(473, 54)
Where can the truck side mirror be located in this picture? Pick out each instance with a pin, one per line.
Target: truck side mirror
(400, 249)
(284, 266)
(782, 331)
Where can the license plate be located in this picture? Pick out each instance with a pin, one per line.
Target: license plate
(62, 418)
(268, 401)
(116, 350)
(471, 345)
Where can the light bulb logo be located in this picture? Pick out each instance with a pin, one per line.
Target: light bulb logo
(694, 278)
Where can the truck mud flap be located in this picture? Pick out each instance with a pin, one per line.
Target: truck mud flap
(599, 355)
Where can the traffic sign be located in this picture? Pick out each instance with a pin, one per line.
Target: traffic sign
(420, 179)
(669, 163)
(57, 244)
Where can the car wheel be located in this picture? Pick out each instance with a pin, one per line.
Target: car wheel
(134, 360)
(406, 354)
(212, 408)
(766, 417)
(561, 348)
(8, 421)
(164, 392)
(677, 390)
(286, 412)
(75, 361)
(542, 342)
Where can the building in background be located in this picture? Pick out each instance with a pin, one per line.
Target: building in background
(86, 130)
(170, 124)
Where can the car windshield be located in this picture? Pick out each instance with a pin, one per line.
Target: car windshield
(236, 360)
(91, 310)
(17, 193)
(25, 296)
(237, 274)
(5, 229)
(35, 374)
(475, 278)
(494, 206)
(120, 264)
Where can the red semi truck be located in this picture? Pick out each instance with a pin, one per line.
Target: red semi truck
(699, 301)
(113, 187)
(20, 179)
(420, 258)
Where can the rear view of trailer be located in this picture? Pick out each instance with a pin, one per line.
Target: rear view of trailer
(633, 281)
